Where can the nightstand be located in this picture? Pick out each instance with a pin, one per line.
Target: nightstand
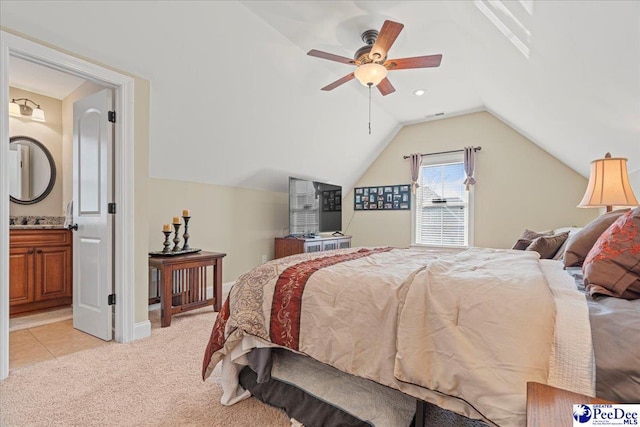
(551, 406)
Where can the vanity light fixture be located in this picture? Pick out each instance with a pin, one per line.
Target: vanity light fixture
(21, 110)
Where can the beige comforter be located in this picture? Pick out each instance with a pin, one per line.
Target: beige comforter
(462, 331)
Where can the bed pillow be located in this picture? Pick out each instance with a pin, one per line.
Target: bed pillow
(527, 237)
(547, 246)
(581, 243)
(612, 266)
(521, 244)
(572, 230)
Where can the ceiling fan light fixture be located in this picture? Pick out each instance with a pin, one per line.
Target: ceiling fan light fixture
(371, 74)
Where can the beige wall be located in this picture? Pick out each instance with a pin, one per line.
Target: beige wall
(239, 222)
(84, 90)
(50, 135)
(518, 184)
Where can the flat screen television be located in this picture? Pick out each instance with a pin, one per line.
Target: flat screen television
(314, 207)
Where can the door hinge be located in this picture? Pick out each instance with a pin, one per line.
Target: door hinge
(112, 116)
(111, 208)
(112, 299)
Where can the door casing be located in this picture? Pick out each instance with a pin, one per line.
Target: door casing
(124, 268)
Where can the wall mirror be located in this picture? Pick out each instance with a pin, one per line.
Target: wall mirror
(32, 171)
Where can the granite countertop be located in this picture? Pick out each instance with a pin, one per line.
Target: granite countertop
(37, 227)
(36, 222)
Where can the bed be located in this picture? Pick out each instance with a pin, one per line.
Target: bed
(463, 331)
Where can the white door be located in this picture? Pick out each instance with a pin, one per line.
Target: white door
(92, 192)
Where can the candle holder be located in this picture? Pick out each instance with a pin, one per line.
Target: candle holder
(176, 239)
(167, 242)
(186, 236)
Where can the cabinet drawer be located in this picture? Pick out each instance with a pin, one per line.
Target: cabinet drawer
(39, 237)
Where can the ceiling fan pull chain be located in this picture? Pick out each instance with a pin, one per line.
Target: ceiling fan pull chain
(370, 107)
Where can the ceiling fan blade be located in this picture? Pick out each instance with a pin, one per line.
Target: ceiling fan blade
(415, 62)
(331, 57)
(339, 82)
(388, 34)
(385, 87)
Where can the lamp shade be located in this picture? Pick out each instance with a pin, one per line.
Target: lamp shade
(14, 109)
(37, 115)
(608, 184)
(371, 73)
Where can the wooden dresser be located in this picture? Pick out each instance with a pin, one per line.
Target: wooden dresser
(40, 269)
(285, 246)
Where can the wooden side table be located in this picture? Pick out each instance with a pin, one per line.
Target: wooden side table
(183, 282)
(551, 406)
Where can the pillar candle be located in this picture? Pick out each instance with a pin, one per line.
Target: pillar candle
(166, 227)
(186, 212)
(176, 220)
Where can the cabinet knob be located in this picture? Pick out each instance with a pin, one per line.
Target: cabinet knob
(30, 251)
(39, 251)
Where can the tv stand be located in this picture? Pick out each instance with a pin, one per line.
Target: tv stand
(285, 246)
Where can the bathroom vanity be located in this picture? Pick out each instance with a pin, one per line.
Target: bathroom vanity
(40, 267)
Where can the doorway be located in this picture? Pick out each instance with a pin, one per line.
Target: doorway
(12, 46)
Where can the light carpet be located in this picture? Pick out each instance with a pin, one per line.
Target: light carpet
(151, 382)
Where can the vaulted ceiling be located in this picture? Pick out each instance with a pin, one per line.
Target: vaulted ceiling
(236, 101)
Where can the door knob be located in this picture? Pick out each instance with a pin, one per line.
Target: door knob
(73, 227)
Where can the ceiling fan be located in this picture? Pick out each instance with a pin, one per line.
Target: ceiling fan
(371, 59)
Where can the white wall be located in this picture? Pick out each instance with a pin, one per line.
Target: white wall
(50, 135)
(518, 184)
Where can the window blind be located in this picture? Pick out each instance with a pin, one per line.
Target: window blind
(442, 205)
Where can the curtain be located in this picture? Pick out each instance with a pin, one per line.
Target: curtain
(469, 163)
(416, 161)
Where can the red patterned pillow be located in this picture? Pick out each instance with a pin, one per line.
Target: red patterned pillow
(612, 266)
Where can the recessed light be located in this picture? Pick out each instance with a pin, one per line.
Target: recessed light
(419, 92)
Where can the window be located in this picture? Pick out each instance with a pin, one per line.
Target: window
(441, 208)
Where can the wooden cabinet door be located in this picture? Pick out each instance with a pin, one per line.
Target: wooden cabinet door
(53, 272)
(21, 278)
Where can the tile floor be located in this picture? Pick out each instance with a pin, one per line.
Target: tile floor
(34, 345)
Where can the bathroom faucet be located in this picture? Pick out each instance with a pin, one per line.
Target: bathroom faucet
(12, 221)
(25, 221)
(38, 221)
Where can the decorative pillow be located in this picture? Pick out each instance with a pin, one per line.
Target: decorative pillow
(547, 246)
(612, 266)
(572, 230)
(581, 243)
(532, 235)
(527, 237)
(521, 244)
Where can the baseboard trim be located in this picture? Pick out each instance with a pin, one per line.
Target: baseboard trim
(142, 330)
